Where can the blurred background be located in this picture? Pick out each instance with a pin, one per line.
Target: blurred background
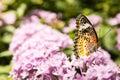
(104, 15)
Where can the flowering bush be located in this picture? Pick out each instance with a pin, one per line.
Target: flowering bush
(38, 54)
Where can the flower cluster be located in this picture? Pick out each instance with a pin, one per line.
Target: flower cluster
(97, 66)
(45, 17)
(35, 15)
(37, 52)
(114, 21)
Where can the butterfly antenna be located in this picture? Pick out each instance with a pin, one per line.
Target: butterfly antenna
(99, 32)
(106, 33)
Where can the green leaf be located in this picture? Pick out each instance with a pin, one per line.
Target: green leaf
(10, 28)
(7, 38)
(68, 51)
(5, 53)
(5, 69)
(72, 34)
(4, 72)
(21, 10)
(4, 77)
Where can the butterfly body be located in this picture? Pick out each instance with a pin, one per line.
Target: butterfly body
(86, 40)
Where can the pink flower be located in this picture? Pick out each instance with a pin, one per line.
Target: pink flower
(35, 15)
(101, 72)
(118, 17)
(29, 19)
(113, 21)
(9, 17)
(37, 49)
(48, 16)
(28, 30)
(99, 64)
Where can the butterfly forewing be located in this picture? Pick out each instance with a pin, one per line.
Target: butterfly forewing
(86, 40)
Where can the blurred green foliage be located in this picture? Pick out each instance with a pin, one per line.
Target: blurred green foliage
(69, 9)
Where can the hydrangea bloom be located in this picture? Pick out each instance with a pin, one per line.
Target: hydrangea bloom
(118, 39)
(97, 66)
(37, 52)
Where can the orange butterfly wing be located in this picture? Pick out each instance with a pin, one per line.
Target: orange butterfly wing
(86, 40)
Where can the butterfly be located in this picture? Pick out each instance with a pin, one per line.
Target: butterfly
(86, 40)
